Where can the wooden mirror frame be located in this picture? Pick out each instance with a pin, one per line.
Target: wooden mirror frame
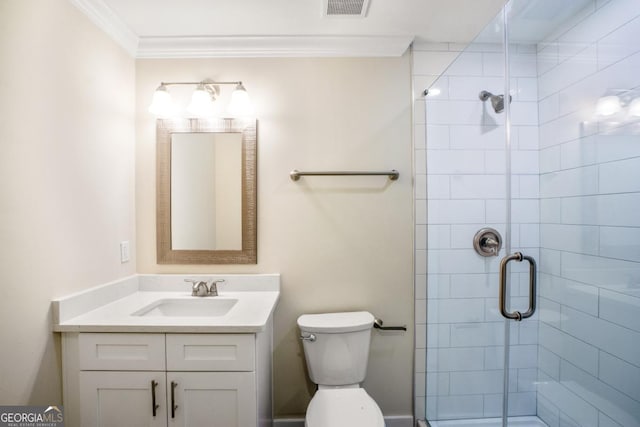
(249, 252)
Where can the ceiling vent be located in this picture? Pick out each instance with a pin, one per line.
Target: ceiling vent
(345, 8)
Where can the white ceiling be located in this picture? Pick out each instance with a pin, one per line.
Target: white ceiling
(168, 27)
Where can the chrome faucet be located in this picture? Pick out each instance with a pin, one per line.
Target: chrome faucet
(213, 287)
(200, 288)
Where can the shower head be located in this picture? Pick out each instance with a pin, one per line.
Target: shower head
(497, 101)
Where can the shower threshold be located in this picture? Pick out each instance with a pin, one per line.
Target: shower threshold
(488, 422)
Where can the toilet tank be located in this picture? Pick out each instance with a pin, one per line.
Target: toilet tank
(336, 346)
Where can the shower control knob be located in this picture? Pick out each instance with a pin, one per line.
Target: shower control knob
(487, 242)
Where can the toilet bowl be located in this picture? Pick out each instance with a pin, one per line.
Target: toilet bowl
(336, 348)
(343, 407)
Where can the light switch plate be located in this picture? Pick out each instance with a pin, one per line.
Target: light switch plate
(125, 253)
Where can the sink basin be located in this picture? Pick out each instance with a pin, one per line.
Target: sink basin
(183, 307)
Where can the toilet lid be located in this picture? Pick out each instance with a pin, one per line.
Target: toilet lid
(351, 407)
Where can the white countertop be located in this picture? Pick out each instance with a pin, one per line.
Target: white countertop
(110, 307)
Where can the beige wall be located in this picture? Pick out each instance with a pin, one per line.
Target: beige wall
(339, 243)
(66, 177)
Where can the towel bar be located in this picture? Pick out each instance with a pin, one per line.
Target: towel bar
(296, 174)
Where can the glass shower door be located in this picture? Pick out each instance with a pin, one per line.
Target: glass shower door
(582, 82)
(482, 172)
(555, 168)
(467, 190)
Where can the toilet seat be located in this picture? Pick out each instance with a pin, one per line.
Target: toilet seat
(351, 407)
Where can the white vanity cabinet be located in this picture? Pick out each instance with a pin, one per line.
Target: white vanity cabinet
(167, 379)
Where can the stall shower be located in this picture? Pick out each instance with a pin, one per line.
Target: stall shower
(556, 173)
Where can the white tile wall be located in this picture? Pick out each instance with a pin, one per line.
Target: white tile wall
(620, 242)
(620, 375)
(620, 308)
(598, 394)
(465, 191)
(573, 407)
(589, 338)
(615, 46)
(576, 190)
(573, 294)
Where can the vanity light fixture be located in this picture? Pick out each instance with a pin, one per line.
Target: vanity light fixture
(634, 107)
(608, 105)
(620, 104)
(202, 100)
(161, 104)
(240, 104)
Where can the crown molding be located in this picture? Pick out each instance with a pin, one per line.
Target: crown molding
(238, 46)
(109, 22)
(272, 46)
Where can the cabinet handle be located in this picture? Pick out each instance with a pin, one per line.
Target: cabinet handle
(154, 407)
(173, 399)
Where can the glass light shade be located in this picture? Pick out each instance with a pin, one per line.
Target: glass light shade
(161, 104)
(634, 107)
(608, 105)
(201, 102)
(240, 105)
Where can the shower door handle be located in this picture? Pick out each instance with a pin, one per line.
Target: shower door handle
(516, 315)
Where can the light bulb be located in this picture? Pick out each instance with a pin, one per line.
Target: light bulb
(608, 105)
(161, 104)
(201, 102)
(634, 107)
(240, 105)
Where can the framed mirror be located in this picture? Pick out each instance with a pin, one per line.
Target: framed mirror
(206, 195)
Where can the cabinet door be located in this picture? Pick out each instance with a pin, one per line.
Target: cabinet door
(211, 399)
(117, 399)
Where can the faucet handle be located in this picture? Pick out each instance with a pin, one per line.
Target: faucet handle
(197, 287)
(213, 287)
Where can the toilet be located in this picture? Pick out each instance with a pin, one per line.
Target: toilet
(336, 347)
